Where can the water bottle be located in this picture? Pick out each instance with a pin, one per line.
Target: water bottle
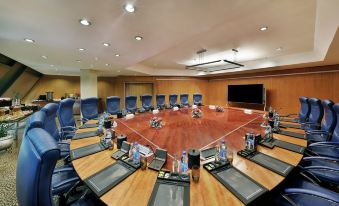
(136, 154)
(184, 162)
(175, 165)
(217, 152)
(223, 151)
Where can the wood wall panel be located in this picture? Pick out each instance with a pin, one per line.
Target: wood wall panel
(58, 84)
(282, 91)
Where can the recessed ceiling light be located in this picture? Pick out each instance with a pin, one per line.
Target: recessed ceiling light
(279, 48)
(264, 28)
(138, 38)
(43, 56)
(51, 65)
(107, 65)
(117, 55)
(85, 22)
(118, 70)
(29, 40)
(129, 8)
(106, 44)
(78, 60)
(82, 49)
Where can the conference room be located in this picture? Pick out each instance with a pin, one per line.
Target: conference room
(169, 103)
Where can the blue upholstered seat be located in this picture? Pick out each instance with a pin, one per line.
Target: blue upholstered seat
(184, 99)
(160, 98)
(131, 103)
(51, 127)
(306, 193)
(89, 108)
(327, 126)
(197, 99)
(331, 147)
(146, 101)
(305, 109)
(316, 115)
(66, 118)
(173, 98)
(36, 179)
(113, 104)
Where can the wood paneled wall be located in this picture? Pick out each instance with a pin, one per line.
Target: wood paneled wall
(282, 91)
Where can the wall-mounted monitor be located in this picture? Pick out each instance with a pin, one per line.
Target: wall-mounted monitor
(247, 93)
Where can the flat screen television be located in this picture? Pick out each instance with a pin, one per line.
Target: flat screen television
(246, 93)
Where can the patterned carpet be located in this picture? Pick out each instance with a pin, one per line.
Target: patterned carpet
(8, 161)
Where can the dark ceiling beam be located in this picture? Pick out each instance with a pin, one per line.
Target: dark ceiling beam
(11, 76)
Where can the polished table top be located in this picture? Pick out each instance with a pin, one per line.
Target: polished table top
(181, 131)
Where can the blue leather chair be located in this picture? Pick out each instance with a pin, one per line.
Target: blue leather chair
(36, 120)
(50, 124)
(197, 99)
(305, 109)
(327, 126)
(146, 101)
(131, 104)
(36, 179)
(306, 193)
(316, 115)
(51, 127)
(113, 104)
(331, 147)
(66, 118)
(89, 108)
(173, 98)
(184, 99)
(160, 98)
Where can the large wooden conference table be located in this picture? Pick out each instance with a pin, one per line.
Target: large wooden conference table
(182, 132)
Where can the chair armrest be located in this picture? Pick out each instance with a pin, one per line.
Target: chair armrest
(300, 191)
(70, 180)
(63, 169)
(321, 168)
(317, 132)
(311, 123)
(321, 158)
(333, 144)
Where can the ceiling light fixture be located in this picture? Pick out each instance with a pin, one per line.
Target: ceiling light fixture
(117, 55)
(138, 38)
(82, 49)
(29, 40)
(264, 28)
(44, 57)
(107, 65)
(118, 71)
(129, 8)
(78, 61)
(51, 65)
(85, 22)
(106, 44)
(279, 48)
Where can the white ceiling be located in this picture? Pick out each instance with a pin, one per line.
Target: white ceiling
(172, 30)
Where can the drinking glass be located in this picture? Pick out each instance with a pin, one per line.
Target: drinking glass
(230, 156)
(195, 173)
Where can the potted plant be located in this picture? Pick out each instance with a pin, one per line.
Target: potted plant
(6, 140)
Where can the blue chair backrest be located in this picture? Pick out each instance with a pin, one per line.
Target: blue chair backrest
(36, 162)
(50, 124)
(131, 103)
(305, 109)
(160, 98)
(335, 136)
(317, 110)
(173, 99)
(330, 119)
(89, 108)
(197, 98)
(36, 120)
(113, 104)
(65, 113)
(184, 99)
(146, 101)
